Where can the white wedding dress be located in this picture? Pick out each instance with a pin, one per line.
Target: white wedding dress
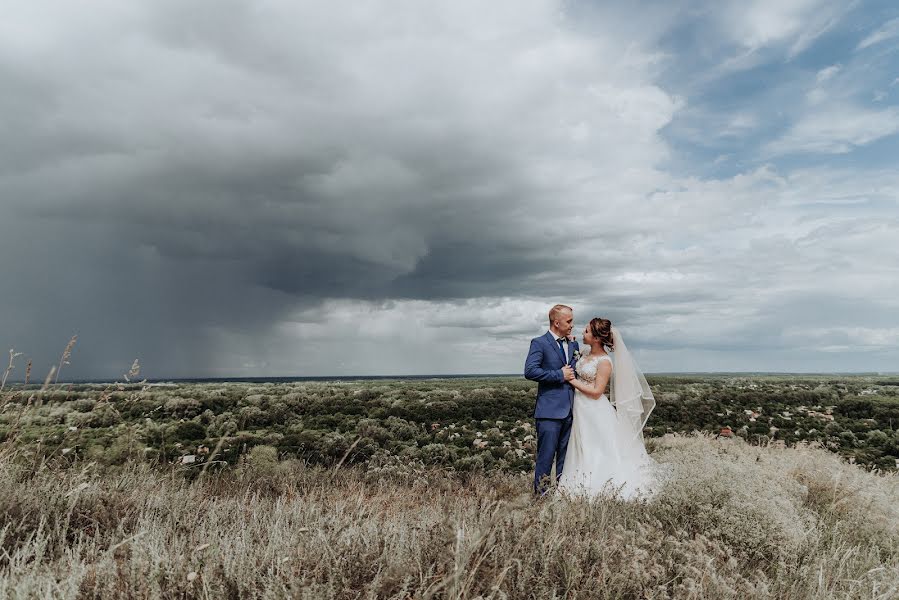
(605, 455)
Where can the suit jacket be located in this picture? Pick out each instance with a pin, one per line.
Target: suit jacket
(544, 365)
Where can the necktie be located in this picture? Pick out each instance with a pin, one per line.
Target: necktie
(561, 341)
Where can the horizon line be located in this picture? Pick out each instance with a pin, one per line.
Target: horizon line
(254, 378)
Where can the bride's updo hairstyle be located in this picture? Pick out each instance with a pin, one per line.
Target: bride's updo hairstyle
(602, 331)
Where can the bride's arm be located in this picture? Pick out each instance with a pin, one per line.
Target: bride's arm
(598, 387)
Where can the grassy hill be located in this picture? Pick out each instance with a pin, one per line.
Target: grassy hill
(733, 521)
(420, 489)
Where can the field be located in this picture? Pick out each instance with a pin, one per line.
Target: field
(461, 424)
(419, 489)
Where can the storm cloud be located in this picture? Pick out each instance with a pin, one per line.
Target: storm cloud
(298, 188)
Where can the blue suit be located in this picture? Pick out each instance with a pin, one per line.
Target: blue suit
(555, 397)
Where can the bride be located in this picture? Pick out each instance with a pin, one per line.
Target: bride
(606, 452)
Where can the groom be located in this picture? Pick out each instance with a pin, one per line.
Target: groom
(549, 363)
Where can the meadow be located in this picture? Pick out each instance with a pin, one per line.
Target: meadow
(420, 489)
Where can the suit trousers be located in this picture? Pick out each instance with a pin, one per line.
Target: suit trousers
(552, 443)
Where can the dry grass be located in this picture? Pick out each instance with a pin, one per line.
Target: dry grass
(735, 521)
(732, 521)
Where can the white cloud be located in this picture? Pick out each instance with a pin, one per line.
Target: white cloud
(404, 337)
(848, 339)
(760, 23)
(887, 31)
(827, 73)
(744, 35)
(837, 129)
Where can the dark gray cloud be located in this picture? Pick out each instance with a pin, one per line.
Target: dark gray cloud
(287, 188)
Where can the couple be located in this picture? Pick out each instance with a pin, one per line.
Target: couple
(598, 442)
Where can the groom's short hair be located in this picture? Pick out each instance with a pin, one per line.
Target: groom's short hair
(555, 312)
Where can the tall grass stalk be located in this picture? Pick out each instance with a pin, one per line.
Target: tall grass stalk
(66, 355)
(12, 357)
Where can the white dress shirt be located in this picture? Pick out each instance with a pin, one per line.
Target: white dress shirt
(564, 345)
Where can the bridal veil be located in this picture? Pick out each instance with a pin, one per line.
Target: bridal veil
(630, 393)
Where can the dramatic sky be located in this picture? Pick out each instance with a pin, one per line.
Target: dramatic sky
(284, 187)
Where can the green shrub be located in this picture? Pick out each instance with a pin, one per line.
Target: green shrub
(186, 430)
(438, 454)
(262, 460)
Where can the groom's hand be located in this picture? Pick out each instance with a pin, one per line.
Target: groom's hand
(568, 372)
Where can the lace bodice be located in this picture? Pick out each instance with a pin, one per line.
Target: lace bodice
(586, 366)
